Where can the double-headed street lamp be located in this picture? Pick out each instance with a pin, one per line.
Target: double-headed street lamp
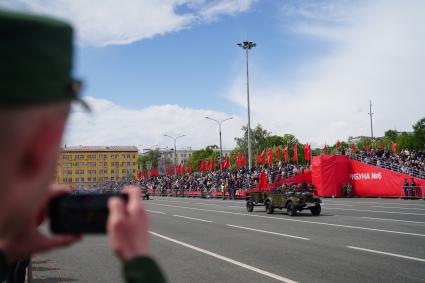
(219, 122)
(175, 150)
(247, 45)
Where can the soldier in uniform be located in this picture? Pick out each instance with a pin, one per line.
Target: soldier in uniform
(413, 189)
(36, 92)
(406, 189)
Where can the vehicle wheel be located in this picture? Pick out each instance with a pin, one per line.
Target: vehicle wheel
(291, 209)
(315, 210)
(250, 206)
(269, 208)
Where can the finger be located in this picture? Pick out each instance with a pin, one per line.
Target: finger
(134, 202)
(116, 209)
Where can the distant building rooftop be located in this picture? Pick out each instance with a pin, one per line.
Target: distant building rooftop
(99, 148)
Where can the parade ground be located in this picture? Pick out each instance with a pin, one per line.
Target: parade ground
(205, 240)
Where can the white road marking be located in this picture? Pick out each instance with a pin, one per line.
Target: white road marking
(376, 211)
(297, 220)
(191, 218)
(234, 206)
(226, 259)
(385, 253)
(398, 220)
(390, 207)
(268, 232)
(153, 211)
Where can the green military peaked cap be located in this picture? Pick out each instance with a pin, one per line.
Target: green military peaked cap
(35, 60)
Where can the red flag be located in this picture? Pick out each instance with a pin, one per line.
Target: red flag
(285, 153)
(213, 164)
(238, 160)
(243, 160)
(395, 148)
(262, 182)
(139, 175)
(208, 165)
(263, 158)
(325, 149)
(338, 144)
(307, 152)
(270, 156)
(366, 148)
(278, 153)
(354, 147)
(203, 165)
(256, 159)
(227, 163)
(380, 145)
(295, 157)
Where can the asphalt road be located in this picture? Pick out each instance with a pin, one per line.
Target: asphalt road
(194, 240)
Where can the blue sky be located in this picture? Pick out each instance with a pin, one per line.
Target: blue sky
(159, 67)
(194, 67)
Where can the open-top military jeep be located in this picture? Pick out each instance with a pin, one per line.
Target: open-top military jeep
(293, 201)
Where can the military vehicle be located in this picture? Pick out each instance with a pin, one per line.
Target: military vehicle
(293, 201)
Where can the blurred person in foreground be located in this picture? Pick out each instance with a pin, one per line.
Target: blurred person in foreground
(36, 92)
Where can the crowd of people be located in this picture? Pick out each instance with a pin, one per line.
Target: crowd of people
(228, 180)
(410, 162)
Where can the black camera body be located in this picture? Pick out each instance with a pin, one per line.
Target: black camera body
(80, 214)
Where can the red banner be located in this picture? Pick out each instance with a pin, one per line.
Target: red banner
(285, 153)
(270, 156)
(295, 157)
(369, 180)
(278, 153)
(330, 174)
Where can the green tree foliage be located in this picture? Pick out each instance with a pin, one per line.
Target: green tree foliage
(151, 157)
(210, 152)
(391, 135)
(419, 134)
(259, 136)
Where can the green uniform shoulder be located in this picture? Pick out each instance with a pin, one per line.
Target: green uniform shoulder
(143, 269)
(3, 268)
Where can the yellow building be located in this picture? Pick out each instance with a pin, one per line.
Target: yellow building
(90, 165)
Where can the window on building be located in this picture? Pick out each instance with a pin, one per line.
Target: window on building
(112, 171)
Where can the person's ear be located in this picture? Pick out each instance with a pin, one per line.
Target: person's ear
(40, 149)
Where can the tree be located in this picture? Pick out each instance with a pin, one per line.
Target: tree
(419, 134)
(151, 157)
(210, 152)
(258, 139)
(391, 135)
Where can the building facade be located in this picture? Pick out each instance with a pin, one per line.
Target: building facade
(90, 165)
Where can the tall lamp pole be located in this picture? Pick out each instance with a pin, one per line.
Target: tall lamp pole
(175, 150)
(247, 45)
(219, 130)
(371, 125)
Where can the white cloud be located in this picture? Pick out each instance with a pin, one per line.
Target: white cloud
(377, 54)
(111, 124)
(105, 22)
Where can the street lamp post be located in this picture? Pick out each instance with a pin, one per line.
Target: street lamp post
(247, 45)
(175, 150)
(371, 125)
(219, 130)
